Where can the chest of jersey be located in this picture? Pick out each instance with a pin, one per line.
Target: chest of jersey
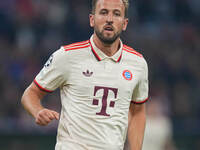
(102, 86)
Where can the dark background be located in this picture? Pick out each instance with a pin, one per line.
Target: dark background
(166, 32)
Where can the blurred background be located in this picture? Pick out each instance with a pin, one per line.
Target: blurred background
(166, 32)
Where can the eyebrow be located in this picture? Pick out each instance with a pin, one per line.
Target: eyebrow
(115, 10)
(103, 9)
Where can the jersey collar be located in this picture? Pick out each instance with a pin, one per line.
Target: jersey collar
(100, 55)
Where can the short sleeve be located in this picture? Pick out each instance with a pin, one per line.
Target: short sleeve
(51, 75)
(140, 93)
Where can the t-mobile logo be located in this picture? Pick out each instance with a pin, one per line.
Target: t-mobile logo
(106, 90)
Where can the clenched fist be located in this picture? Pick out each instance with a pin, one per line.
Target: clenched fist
(45, 116)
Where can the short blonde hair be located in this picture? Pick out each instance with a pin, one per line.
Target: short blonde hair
(125, 2)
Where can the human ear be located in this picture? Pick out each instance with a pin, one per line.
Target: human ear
(91, 17)
(125, 24)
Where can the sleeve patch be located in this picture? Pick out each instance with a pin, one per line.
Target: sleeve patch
(49, 61)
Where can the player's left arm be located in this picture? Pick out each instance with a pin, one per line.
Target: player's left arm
(137, 113)
(137, 120)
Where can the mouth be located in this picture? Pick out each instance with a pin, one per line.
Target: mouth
(108, 28)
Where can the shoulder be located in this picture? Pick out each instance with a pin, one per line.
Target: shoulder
(134, 56)
(131, 51)
(77, 46)
(65, 51)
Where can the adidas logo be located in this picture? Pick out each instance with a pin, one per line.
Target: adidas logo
(87, 73)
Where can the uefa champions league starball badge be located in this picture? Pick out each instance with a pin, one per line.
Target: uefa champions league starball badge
(49, 61)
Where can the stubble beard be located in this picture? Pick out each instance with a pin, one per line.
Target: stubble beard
(107, 40)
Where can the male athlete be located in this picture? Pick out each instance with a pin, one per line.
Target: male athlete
(103, 85)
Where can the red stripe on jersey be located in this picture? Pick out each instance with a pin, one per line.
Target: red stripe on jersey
(76, 44)
(141, 102)
(41, 88)
(95, 54)
(132, 50)
(128, 47)
(119, 58)
(77, 47)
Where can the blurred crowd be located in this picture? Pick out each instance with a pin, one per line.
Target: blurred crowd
(166, 32)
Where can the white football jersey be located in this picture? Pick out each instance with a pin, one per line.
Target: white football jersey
(96, 91)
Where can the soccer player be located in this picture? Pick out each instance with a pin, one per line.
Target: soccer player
(103, 86)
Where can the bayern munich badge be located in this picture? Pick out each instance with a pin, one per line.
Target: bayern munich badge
(127, 75)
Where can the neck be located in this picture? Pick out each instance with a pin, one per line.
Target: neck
(108, 49)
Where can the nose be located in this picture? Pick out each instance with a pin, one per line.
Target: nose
(110, 18)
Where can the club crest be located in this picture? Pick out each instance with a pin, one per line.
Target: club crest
(127, 75)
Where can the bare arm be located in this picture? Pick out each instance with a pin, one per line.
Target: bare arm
(31, 100)
(137, 120)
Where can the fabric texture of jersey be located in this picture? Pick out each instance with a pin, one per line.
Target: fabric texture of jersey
(96, 92)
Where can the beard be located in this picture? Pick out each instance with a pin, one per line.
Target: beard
(107, 40)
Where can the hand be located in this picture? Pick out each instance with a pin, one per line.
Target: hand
(45, 116)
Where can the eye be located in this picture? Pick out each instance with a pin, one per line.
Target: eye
(117, 13)
(103, 12)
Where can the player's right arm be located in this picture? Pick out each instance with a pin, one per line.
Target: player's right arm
(51, 76)
(31, 100)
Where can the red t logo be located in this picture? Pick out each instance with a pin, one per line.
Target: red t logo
(104, 99)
